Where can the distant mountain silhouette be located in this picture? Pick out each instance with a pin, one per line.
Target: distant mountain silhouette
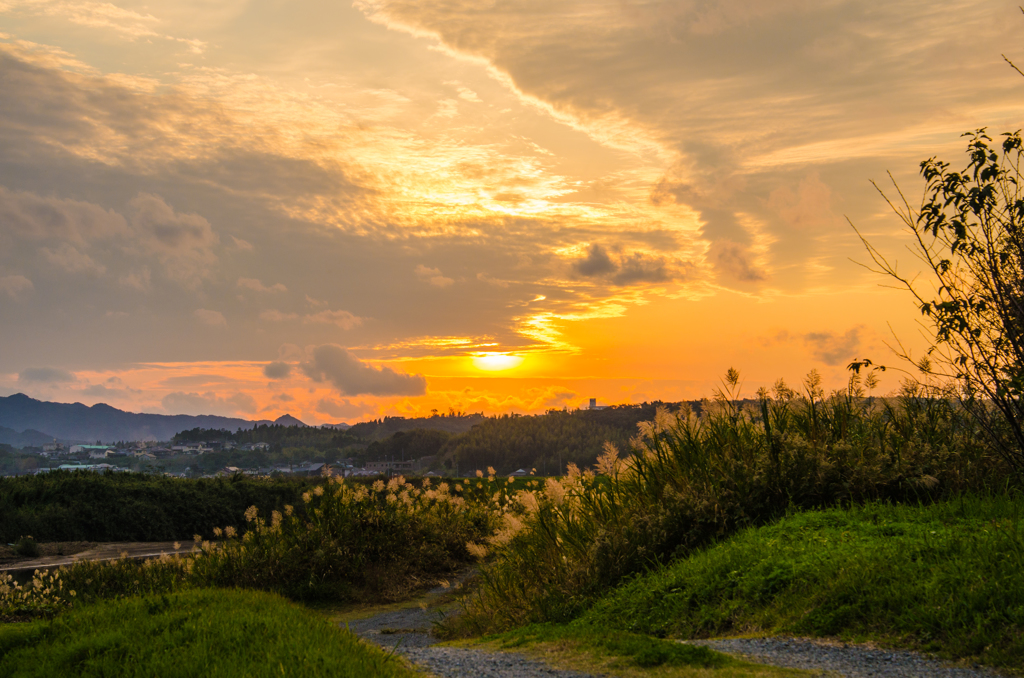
(28, 438)
(288, 420)
(77, 422)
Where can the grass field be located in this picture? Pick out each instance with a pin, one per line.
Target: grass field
(944, 578)
(220, 633)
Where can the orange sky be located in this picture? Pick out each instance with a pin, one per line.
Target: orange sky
(342, 211)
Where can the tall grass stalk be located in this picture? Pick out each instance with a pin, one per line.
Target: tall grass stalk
(690, 480)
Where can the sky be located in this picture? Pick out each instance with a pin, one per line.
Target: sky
(344, 211)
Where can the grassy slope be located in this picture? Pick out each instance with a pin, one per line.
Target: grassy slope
(943, 578)
(195, 633)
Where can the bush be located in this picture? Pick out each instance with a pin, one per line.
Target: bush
(87, 506)
(27, 546)
(350, 543)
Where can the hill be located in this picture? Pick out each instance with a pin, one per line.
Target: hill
(379, 429)
(77, 422)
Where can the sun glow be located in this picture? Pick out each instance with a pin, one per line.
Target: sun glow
(496, 362)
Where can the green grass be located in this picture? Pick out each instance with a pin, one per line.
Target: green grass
(642, 651)
(624, 654)
(944, 578)
(194, 633)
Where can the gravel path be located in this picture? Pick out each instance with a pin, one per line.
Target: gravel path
(849, 661)
(407, 632)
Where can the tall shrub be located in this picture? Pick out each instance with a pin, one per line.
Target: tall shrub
(969, 232)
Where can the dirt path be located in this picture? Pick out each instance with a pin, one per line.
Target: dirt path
(107, 551)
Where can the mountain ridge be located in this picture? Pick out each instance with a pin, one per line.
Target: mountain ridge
(75, 422)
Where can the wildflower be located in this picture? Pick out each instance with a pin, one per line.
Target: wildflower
(426, 482)
(288, 508)
(217, 532)
(510, 480)
(306, 498)
(319, 490)
(479, 473)
(229, 532)
(197, 538)
(491, 471)
(443, 488)
(275, 518)
(250, 514)
(73, 593)
(378, 486)
(391, 499)
(458, 487)
(177, 546)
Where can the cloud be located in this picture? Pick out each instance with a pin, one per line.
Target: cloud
(342, 319)
(256, 286)
(138, 280)
(433, 276)
(212, 318)
(27, 216)
(46, 375)
(15, 286)
(636, 268)
(596, 263)
(639, 268)
(275, 316)
(735, 261)
(468, 95)
(194, 404)
(835, 349)
(182, 242)
(551, 397)
(107, 393)
(829, 347)
(69, 259)
(72, 236)
(342, 409)
(277, 370)
(334, 363)
(808, 209)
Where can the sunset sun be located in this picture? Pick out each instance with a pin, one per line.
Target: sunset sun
(496, 362)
